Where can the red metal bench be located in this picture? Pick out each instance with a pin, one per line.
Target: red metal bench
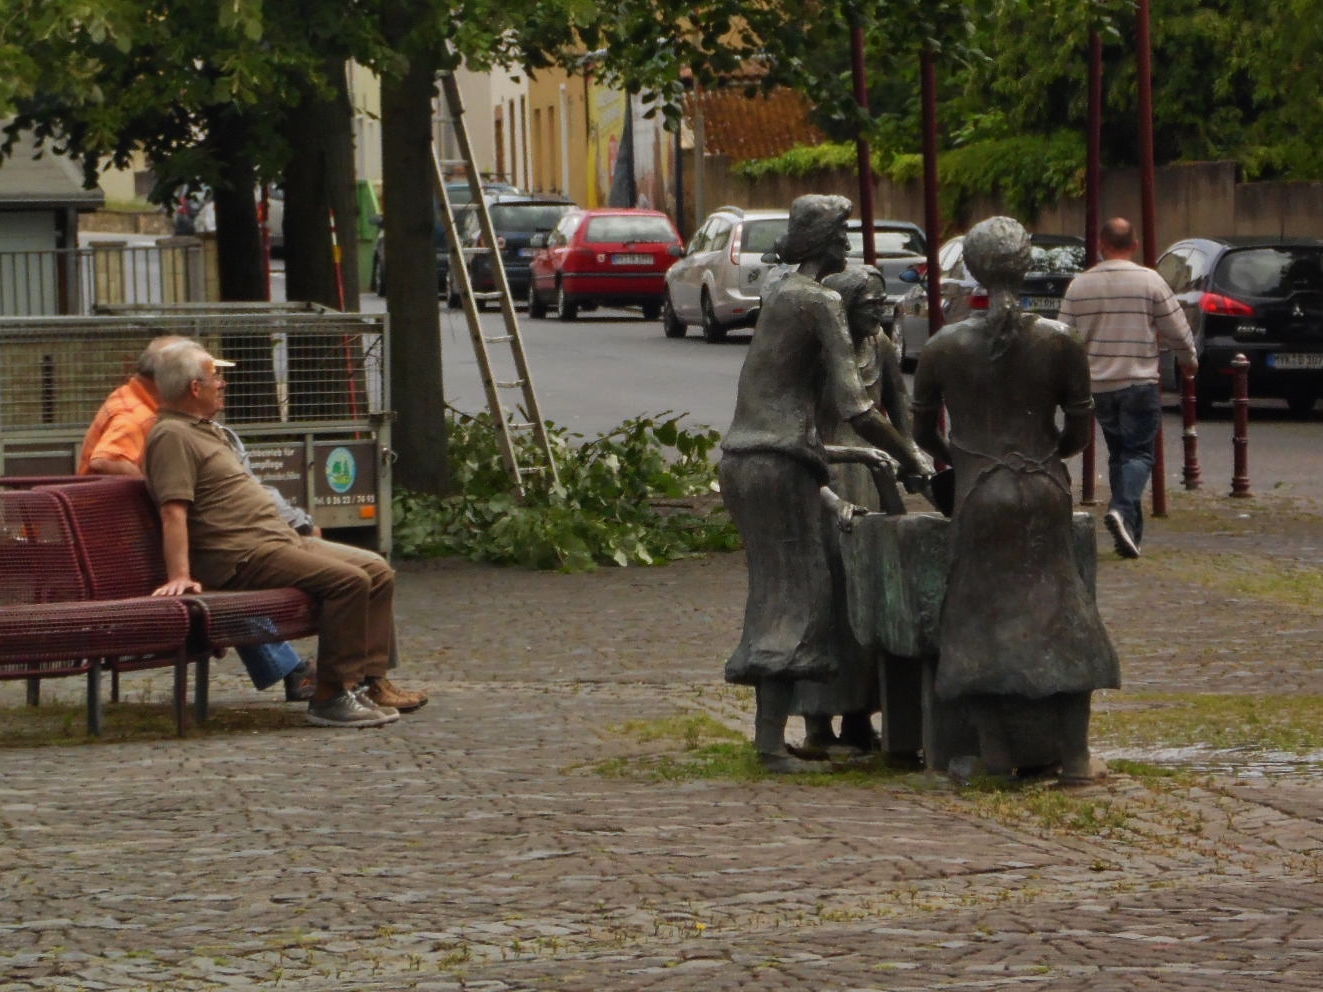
(50, 623)
(112, 533)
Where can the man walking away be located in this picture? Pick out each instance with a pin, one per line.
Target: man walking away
(1125, 312)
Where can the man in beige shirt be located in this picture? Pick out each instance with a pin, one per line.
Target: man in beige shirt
(222, 531)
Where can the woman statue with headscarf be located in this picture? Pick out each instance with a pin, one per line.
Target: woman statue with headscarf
(774, 468)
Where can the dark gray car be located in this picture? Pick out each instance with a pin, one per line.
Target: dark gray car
(1260, 297)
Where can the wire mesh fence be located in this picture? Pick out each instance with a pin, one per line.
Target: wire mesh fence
(308, 394)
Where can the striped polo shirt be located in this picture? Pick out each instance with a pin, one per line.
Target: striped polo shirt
(1124, 312)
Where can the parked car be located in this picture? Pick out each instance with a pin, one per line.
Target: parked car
(460, 197)
(897, 245)
(718, 282)
(515, 220)
(1057, 258)
(1260, 297)
(611, 256)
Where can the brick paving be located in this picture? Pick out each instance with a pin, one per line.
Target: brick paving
(476, 845)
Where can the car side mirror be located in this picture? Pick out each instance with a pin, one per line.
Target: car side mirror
(675, 251)
(912, 275)
(537, 241)
(770, 258)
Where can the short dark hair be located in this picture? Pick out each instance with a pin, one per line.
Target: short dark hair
(1118, 233)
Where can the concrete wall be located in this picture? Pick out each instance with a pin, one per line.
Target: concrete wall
(1203, 198)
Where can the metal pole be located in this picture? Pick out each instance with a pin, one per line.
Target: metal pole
(1092, 195)
(1148, 211)
(1190, 430)
(1240, 483)
(863, 153)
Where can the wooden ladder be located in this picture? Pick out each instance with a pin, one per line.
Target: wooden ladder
(503, 419)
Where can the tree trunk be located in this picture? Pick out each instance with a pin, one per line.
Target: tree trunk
(325, 371)
(320, 179)
(416, 387)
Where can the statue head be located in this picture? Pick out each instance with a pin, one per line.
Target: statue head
(816, 230)
(863, 291)
(997, 252)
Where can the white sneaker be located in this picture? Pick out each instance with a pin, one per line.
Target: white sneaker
(347, 710)
(1121, 539)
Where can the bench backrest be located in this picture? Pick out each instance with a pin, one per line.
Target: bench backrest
(118, 533)
(39, 560)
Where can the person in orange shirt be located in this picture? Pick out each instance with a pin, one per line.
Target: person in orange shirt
(115, 442)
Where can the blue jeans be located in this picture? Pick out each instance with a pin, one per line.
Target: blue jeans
(1129, 419)
(267, 664)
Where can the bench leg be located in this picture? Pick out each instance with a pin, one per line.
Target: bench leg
(181, 693)
(94, 699)
(34, 692)
(202, 689)
(114, 685)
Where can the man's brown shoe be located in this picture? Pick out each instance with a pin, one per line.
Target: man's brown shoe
(383, 692)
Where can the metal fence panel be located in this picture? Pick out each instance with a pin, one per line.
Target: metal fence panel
(308, 393)
(78, 280)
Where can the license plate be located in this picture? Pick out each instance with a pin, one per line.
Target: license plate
(1291, 360)
(631, 259)
(527, 252)
(1041, 304)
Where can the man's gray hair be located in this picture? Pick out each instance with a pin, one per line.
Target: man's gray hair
(177, 366)
(147, 360)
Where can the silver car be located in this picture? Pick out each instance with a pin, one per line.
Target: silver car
(718, 282)
(1056, 258)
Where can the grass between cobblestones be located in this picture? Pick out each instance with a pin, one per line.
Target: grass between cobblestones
(62, 724)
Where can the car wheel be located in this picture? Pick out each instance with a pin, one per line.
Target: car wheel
(566, 309)
(713, 332)
(536, 308)
(672, 325)
(452, 294)
(651, 311)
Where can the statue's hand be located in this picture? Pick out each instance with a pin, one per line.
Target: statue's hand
(845, 514)
(922, 467)
(878, 460)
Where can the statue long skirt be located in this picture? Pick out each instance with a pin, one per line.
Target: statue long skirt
(773, 499)
(854, 688)
(1017, 619)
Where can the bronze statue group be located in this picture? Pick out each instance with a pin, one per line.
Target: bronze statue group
(823, 433)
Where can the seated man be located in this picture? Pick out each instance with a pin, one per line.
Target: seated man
(114, 445)
(221, 530)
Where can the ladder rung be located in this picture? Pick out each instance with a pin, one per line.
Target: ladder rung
(529, 469)
(487, 297)
(525, 426)
(500, 339)
(515, 384)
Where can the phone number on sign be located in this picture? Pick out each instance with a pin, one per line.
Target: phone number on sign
(353, 499)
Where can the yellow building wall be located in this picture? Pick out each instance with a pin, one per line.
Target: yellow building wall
(558, 146)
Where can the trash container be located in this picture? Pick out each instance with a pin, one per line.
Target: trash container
(368, 207)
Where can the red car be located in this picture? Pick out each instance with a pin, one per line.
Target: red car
(605, 257)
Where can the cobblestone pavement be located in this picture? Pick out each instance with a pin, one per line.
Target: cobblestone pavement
(478, 845)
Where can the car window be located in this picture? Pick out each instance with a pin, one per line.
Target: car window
(1174, 267)
(527, 216)
(888, 242)
(760, 236)
(565, 229)
(1271, 272)
(646, 230)
(1056, 257)
(951, 259)
(699, 241)
(719, 236)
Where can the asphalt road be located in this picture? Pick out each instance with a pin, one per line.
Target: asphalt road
(610, 365)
